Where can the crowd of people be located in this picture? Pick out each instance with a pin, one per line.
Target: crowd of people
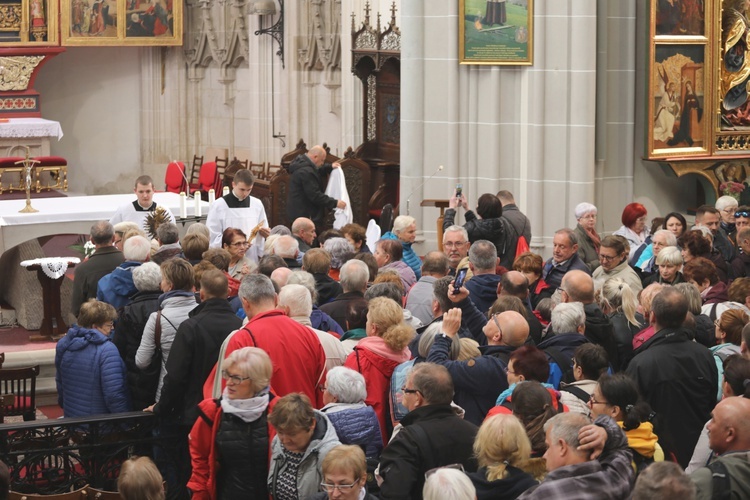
(301, 363)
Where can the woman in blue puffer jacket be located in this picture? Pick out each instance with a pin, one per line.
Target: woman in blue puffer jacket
(355, 422)
(90, 372)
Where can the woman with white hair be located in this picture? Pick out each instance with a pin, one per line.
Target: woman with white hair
(405, 231)
(669, 263)
(661, 239)
(588, 239)
(229, 443)
(341, 250)
(447, 483)
(355, 423)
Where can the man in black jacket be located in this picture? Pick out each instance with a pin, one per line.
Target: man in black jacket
(676, 376)
(306, 197)
(193, 356)
(103, 261)
(432, 436)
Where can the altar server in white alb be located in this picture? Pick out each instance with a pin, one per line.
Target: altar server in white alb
(240, 210)
(138, 210)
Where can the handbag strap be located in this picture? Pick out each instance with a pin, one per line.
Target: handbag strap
(157, 330)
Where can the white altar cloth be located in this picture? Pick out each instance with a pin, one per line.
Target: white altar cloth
(30, 127)
(70, 215)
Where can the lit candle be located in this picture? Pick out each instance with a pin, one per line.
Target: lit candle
(183, 207)
(225, 191)
(211, 196)
(197, 199)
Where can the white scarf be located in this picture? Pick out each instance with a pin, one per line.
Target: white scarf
(249, 410)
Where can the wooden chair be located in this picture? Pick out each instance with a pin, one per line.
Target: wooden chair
(71, 495)
(234, 167)
(102, 495)
(272, 171)
(195, 169)
(245, 163)
(221, 168)
(258, 170)
(20, 382)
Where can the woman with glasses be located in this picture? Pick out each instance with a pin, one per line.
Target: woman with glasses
(588, 238)
(617, 397)
(728, 339)
(344, 475)
(90, 374)
(613, 255)
(633, 229)
(234, 241)
(229, 443)
(304, 436)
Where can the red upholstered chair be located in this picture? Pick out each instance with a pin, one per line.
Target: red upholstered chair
(175, 178)
(208, 179)
(8, 165)
(57, 166)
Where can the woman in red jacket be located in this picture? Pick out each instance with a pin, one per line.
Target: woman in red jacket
(229, 443)
(376, 356)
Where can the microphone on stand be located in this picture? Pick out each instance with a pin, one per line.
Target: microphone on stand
(187, 181)
(408, 199)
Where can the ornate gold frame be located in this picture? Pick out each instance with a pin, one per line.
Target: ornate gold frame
(52, 11)
(122, 38)
(502, 56)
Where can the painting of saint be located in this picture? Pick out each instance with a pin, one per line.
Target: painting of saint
(93, 18)
(154, 18)
(678, 97)
(680, 17)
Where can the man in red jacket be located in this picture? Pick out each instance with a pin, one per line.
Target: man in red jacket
(297, 356)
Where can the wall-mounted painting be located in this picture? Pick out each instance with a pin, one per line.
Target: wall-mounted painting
(496, 32)
(121, 22)
(680, 18)
(678, 123)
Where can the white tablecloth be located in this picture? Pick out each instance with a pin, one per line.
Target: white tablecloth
(30, 127)
(82, 208)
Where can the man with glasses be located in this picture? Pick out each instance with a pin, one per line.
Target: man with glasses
(432, 435)
(240, 210)
(564, 258)
(479, 381)
(456, 247)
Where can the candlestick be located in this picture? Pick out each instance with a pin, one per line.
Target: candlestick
(183, 207)
(197, 199)
(211, 196)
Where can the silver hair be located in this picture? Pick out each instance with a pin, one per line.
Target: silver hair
(565, 426)
(338, 248)
(428, 338)
(305, 279)
(257, 288)
(455, 229)
(483, 254)
(199, 228)
(567, 317)
(286, 247)
(402, 222)
(147, 277)
(668, 235)
(725, 202)
(584, 208)
(297, 298)
(448, 484)
(354, 275)
(572, 238)
(281, 230)
(670, 256)
(251, 362)
(693, 296)
(346, 385)
(167, 233)
(136, 248)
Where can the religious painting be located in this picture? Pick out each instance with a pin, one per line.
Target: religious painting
(678, 125)
(680, 17)
(731, 177)
(122, 22)
(28, 23)
(734, 73)
(498, 32)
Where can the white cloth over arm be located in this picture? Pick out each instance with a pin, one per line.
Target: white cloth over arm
(373, 234)
(337, 189)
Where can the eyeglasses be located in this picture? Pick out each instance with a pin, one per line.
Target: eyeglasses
(409, 391)
(239, 244)
(234, 379)
(727, 210)
(497, 324)
(595, 402)
(109, 326)
(607, 258)
(330, 488)
(454, 244)
(717, 324)
(588, 217)
(642, 219)
(742, 214)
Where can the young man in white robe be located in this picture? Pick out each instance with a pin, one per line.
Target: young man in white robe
(239, 210)
(138, 210)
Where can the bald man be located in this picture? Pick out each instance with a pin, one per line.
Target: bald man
(729, 438)
(306, 197)
(479, 381)
(303, 230)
